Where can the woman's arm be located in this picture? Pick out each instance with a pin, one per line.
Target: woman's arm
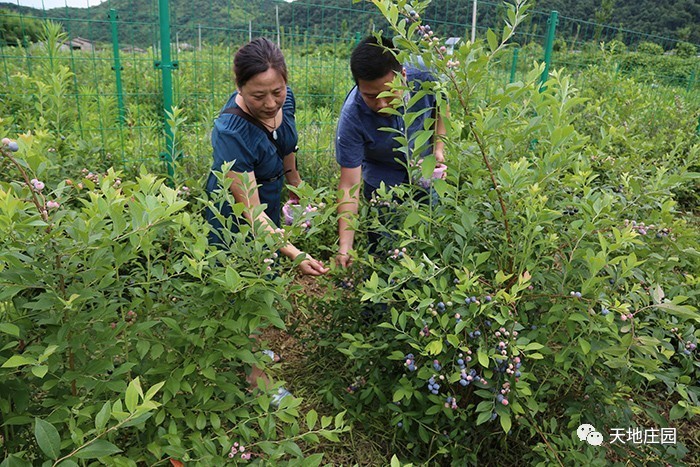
(245, 191)
(349, 186)
(291, 174)
(440, 132)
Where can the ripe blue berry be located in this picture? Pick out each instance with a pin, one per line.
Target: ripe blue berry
(13, 146)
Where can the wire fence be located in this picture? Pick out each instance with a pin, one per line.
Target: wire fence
(109, 80)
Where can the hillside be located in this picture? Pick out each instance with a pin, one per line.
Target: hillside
(222, 20)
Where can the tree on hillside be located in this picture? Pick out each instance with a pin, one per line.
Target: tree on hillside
(18, 30)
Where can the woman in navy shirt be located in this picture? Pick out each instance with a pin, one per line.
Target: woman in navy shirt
(256, 130)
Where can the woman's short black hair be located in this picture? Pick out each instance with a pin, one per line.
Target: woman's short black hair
(373, 59)
(257, 56)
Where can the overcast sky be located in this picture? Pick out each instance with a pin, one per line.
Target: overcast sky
(49, 4)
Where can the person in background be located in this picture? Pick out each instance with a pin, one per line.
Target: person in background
(366, 153)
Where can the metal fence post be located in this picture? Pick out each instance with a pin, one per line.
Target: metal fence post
(166, 66)
(514, 64)
(117, 65)
(691, 81)
(549, 46)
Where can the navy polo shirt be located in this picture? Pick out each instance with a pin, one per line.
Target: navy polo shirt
(235, 139)
(360, 142)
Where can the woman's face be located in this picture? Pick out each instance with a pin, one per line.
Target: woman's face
(264, 94)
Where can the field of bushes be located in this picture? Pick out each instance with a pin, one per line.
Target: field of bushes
(553, 282)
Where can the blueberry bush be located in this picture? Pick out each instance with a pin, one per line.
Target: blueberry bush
(550, 280)
(124, 336)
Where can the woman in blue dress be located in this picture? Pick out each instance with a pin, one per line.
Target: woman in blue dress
(256, 130)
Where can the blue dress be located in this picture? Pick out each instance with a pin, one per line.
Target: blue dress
(235, 139)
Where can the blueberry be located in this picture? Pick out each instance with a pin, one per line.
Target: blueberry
(13, 146)
(460, 362)
(488, 298)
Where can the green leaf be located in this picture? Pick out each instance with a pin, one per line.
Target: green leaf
(681, 311)
(339, 419)
(68, 463)
(102, 416)
(131, 400)
(585, 346)
(14, 461)
(47, 438)
(215, 421)
(201, 421)
(40, 370)
(313, 460)
(311, 419)
(412, 219)
(10, 329)
(492, 40)
(96, 449)
(505, 422)
(434, 348)
(657, 294)
(325, 421)
(483, 358)
(153, 390)
(17, 360)
(483, 418)
(677, 412)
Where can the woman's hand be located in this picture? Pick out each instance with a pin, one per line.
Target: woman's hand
(344, 260)
(312, 267)
(439, 155)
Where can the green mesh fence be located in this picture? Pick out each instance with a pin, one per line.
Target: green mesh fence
(100, 84)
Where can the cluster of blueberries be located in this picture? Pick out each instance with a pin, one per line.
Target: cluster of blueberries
(501, 396)
(509, 367)
(570, 211)
(466, 378)
(11, 145)
(356, 384)
(410, 362)
(433, 386)
(396, 253)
